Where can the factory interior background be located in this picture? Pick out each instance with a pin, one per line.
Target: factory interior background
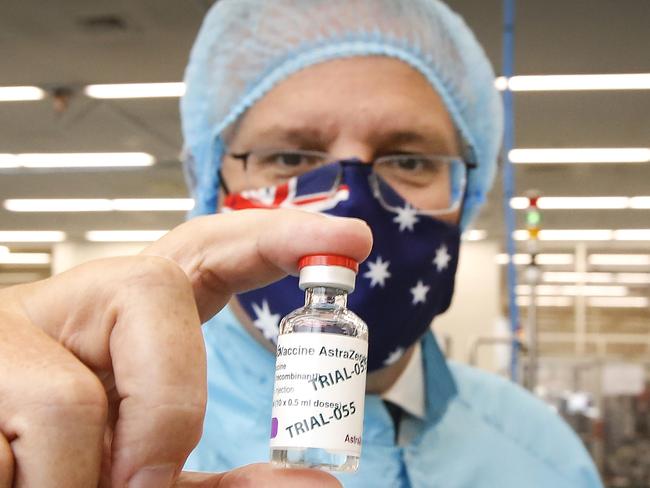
(582, 311)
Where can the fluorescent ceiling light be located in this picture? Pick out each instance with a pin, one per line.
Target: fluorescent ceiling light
(554, 259)
(25, 258)
(136, 90)
(153, 204)
(78, 160)
(32, 236)
(58, 205)
(583, 202)
(8, 161)
(567, 235)
(573, 290)
(573, 277)
(633, 278)
(619, 302)
(520, 235)
(575, 235)
(4, 250)
(581, 155)
(622, 81)
(548, 301)
(519, 203)
(99, 204)
(632, 235)
(505, 259)
(474, 235)
(501, 83)
(20, 93)
(619, 259)
(585, 235)
(542, 259)
(124, 235)
(640, 202)
(575, 203)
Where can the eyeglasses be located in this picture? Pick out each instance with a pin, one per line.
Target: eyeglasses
(431, 184)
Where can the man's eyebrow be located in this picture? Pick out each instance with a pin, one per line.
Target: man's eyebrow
(432, 140)
(383, 138)
(293, 135)
(404, 137)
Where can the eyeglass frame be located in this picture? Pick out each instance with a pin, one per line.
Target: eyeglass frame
(469, 164)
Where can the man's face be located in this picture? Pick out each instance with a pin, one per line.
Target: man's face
(356, 107)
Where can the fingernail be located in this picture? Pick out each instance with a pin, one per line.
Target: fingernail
(153, 477)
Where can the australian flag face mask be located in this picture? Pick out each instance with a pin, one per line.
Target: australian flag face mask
(406, 281)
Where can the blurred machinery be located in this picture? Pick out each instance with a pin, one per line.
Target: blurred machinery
(607, 403)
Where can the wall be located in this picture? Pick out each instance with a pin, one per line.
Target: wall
(475, 310)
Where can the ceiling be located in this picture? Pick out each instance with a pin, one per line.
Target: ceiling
(71, 43)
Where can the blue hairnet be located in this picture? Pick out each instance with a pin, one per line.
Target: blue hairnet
(246, 47)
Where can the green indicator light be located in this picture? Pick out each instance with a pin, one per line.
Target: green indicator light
(533, 217)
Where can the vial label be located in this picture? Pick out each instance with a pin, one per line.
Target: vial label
(320, 387)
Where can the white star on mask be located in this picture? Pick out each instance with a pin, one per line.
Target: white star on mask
(394, 356)
(266, 321)
(419, 292)
(378, 272)
(406, 218)
(442, 258)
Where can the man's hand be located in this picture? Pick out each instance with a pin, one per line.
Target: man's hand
(102, 368)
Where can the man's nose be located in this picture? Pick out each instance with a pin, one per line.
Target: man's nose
(351, 150)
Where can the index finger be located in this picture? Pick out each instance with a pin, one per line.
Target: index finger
(228, 253)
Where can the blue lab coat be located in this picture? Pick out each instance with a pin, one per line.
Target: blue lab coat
(480, 430)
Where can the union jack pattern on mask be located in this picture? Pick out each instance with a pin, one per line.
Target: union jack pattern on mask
(316, 191)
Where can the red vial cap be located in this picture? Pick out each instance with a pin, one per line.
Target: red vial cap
(328, 260)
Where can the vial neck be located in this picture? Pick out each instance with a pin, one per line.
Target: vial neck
(326, 296)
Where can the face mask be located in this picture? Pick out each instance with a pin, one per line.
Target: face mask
(406, 281)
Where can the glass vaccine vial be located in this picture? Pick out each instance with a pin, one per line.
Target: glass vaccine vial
(320, 372)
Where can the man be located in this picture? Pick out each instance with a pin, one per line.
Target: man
(377, 109)
(386, 111)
